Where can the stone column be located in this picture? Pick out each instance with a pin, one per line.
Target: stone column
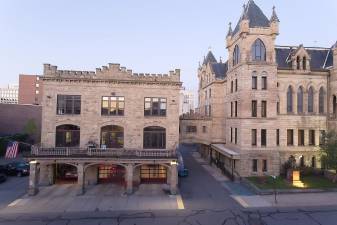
(129, 178)
(33, 178)
(80, 179)
(51, 173)
(173, 179)
(44, 178)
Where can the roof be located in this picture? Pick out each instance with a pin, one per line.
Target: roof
(321, 58)
(219, 69)
(225, 151)
(255, 16)
(209, 58)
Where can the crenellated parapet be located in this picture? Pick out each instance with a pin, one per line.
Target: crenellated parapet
(111, 72)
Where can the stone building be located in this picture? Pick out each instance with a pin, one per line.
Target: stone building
(266, 103)
(110, 125)
(186, 101)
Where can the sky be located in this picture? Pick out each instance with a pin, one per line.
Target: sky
(149, 36)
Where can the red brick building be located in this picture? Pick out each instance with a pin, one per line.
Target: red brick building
(30, 89)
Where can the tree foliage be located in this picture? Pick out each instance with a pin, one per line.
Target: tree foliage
(328, 150)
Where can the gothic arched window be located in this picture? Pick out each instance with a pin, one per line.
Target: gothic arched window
(321, 100)
(258, 51)
(311, 100)
(300, 100)
(236, 55)
(290, 100)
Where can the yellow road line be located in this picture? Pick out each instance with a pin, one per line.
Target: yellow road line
(180, 202)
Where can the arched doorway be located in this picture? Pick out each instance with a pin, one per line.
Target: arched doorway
(65, 173)
(108, 173)
(112, 136)
(153, 174)
(154, 138)
(67, 135)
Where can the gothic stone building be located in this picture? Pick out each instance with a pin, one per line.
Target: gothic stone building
(107, 126)
(266, 103)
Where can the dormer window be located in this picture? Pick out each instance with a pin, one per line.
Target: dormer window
(258, 51)
(236, 55)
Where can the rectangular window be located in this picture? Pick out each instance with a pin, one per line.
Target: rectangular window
(311, 137)
(68, 104)
(300, 137)
(236, 84)
(277, 137)
(231, 109)
(236, 135)
(263, 137)
(210, 93)
(231, 135)
(112, 106)
(254, 83)
(254, 165)
(264, 166)
(254, 108)
(254, 137)
(278, 108)
(191, 129)
(204, 129)
(264, 109)
(290, 137)
(232, 86)
(155, 106)
(264, 83)
(236, 109)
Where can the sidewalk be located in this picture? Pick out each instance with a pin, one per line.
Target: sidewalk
(248, 199)
(102, 197)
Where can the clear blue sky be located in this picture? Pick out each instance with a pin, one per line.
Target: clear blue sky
(152, 36)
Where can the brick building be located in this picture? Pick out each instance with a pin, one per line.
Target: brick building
(266, 103)
(110, 125)
(30, 89)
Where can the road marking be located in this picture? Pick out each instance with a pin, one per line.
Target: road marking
(18, 202)
(242, 202)
(180, 202)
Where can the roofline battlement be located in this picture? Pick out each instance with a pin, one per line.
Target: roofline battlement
(112, 71)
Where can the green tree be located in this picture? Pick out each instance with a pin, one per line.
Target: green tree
(329, 151)
(30, 127)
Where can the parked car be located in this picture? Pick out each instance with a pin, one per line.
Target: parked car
(3, 176)
(17, 169)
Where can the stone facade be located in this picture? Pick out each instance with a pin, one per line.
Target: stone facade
(89, 154)
(229, 93)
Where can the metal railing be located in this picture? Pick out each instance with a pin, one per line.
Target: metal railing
(103, 152)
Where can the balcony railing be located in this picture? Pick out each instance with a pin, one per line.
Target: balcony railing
(102, 153)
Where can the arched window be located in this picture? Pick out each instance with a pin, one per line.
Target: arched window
(236, 55)
(290, 100)
(298, 62)
(112, 136)
(311, 100)
(321, 100)
(313, 162)
(67, 136)
(258, 51)
(334, 105)
(302, 164)
(154, 138)
(300, 100)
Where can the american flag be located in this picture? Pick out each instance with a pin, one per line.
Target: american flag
(12, 149)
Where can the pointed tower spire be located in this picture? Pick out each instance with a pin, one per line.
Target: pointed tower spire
(230, 31)
(245, 15)
(274, 17)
